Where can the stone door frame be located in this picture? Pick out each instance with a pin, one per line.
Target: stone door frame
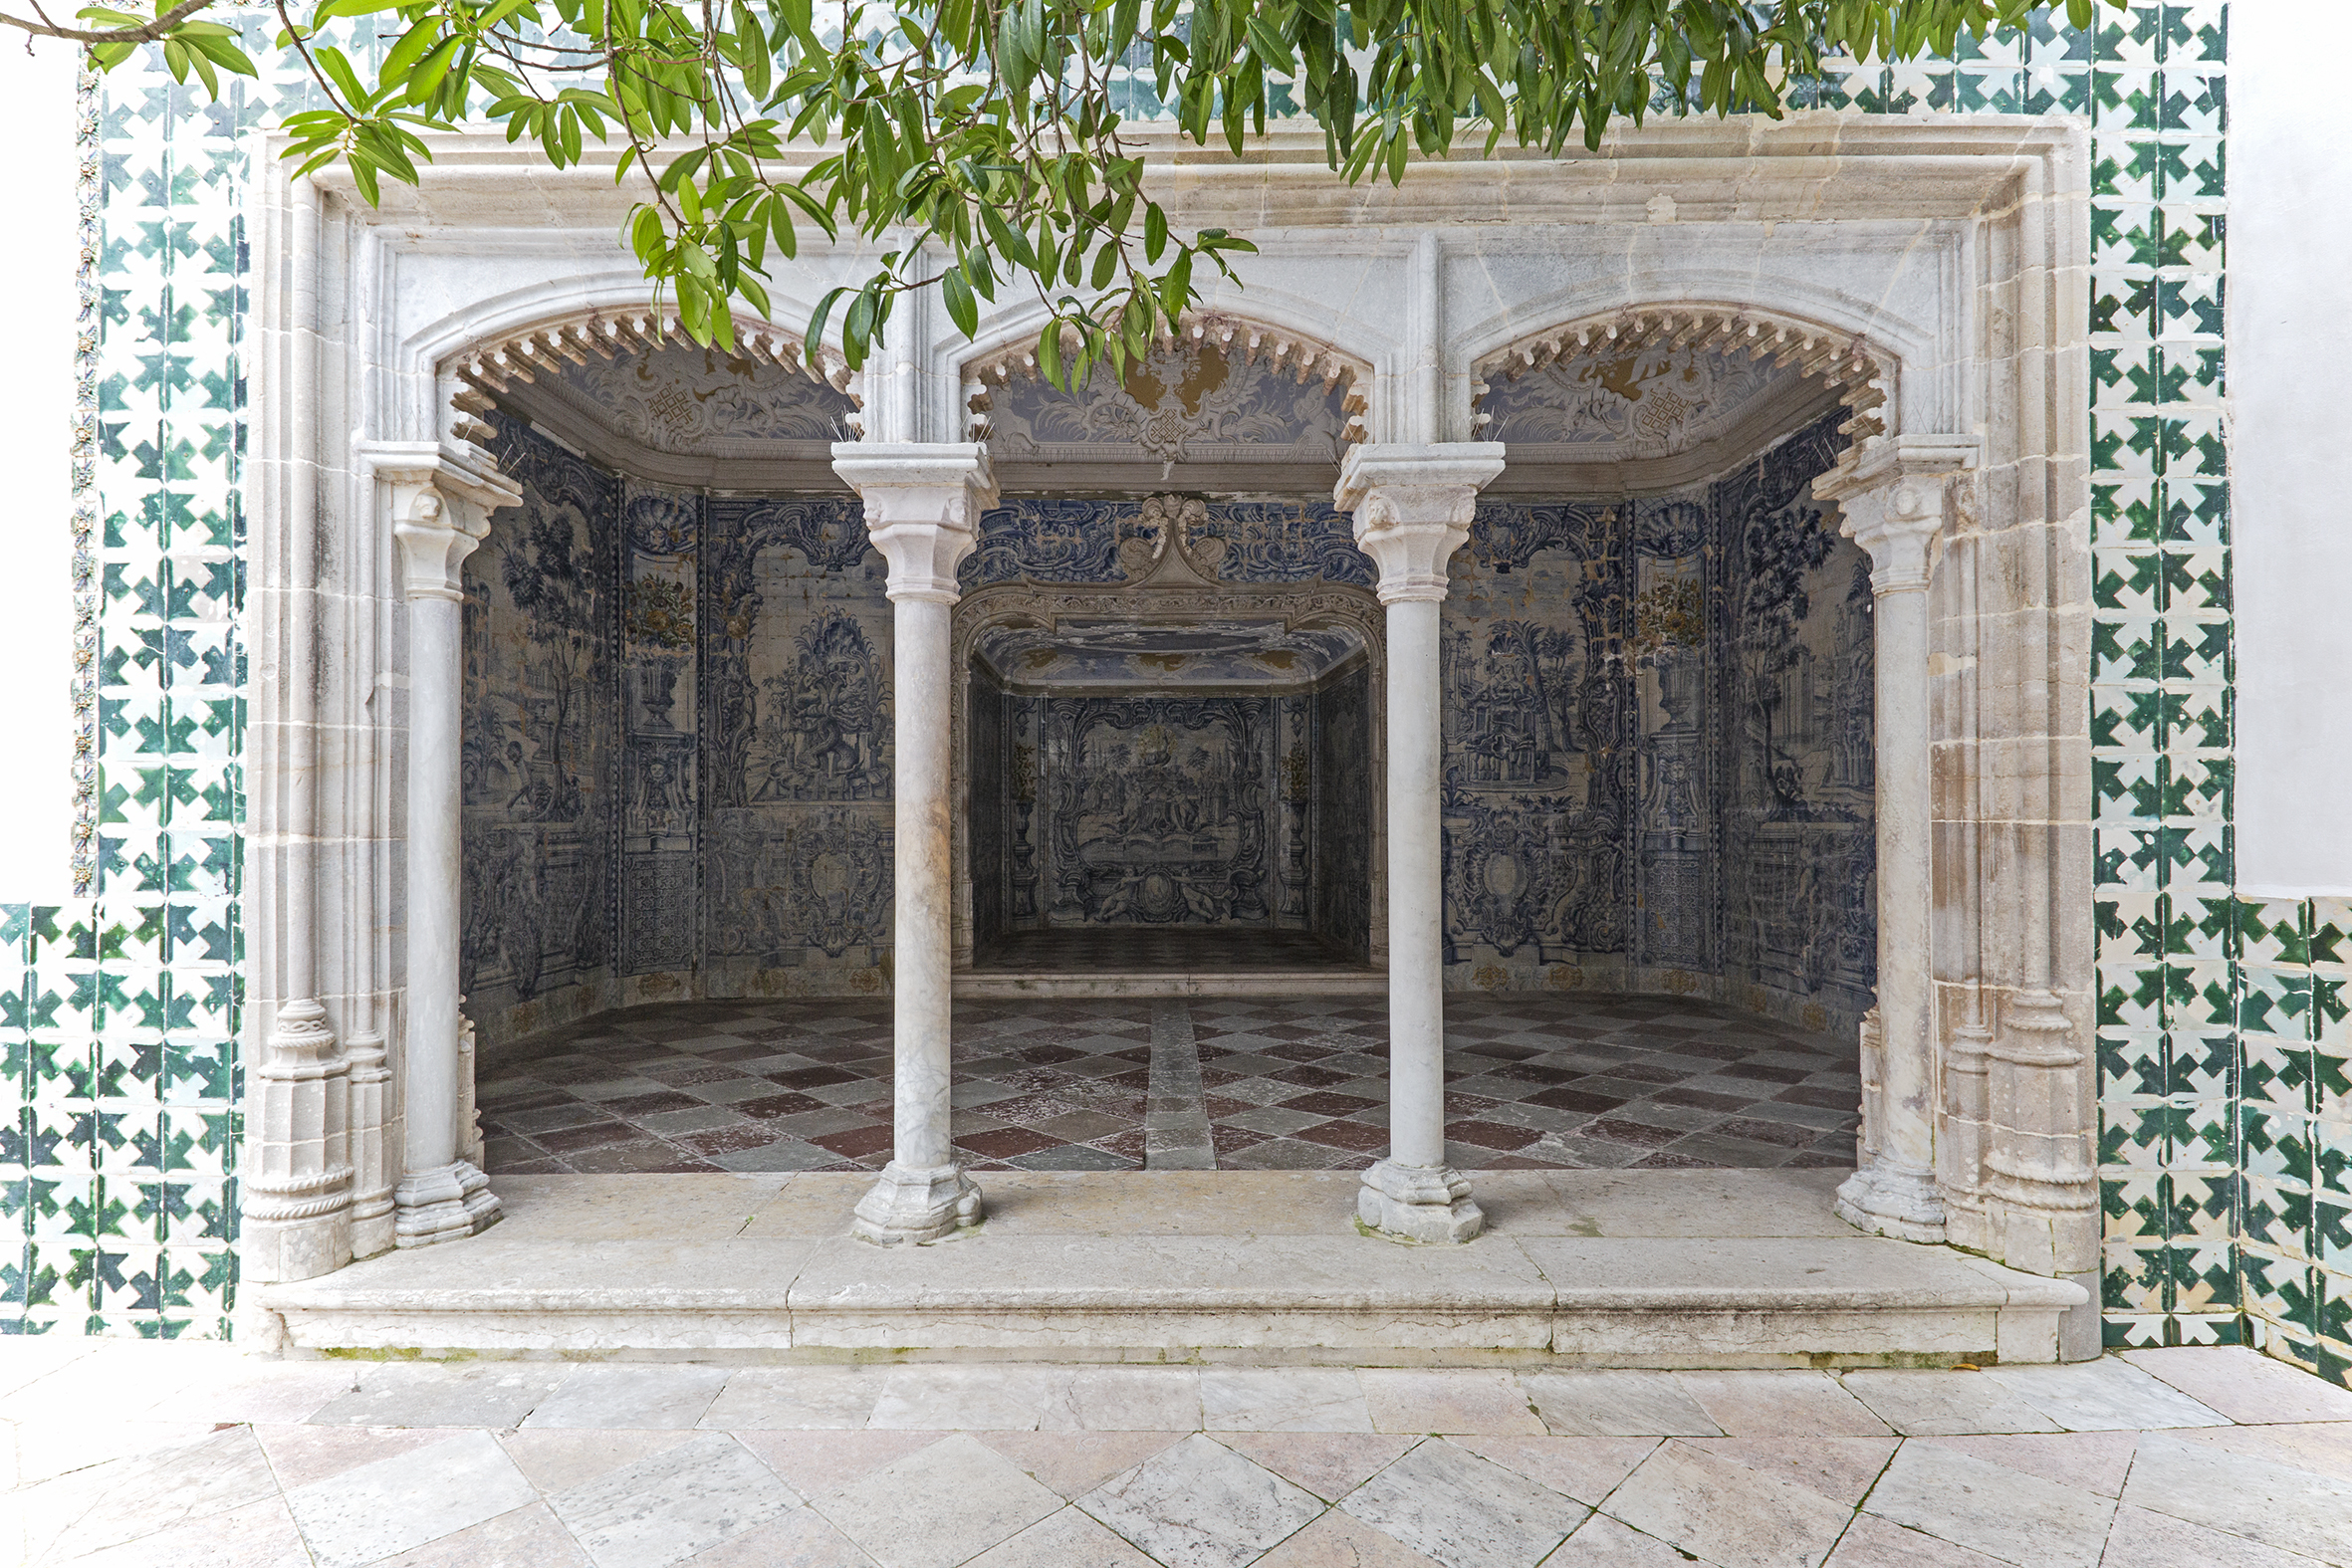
(1943, 258)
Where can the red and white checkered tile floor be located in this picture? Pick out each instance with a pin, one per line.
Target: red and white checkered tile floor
(1060, 1085)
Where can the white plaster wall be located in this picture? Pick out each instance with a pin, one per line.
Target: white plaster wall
(2290, 341)
(35, 403)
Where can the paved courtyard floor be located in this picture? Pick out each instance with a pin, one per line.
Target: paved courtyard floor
(196, 1456)
(1533, 1081)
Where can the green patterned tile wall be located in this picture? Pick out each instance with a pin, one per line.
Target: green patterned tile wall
(2227, 1124)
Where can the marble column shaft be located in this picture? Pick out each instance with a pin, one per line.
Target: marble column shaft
(923, 502)
(1413, 507)
(441, 509)
(1897, 521)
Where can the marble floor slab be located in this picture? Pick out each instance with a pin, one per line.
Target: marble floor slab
(1277, 1083)
(1033, 1465)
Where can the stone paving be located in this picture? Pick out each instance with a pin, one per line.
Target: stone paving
(1535, 1081)
(2165, 1458)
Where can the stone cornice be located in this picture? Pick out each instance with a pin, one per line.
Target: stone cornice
(1805, 168)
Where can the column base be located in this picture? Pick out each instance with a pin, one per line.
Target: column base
(1886, 1200)
(910, 1205)
(443, 1205)
(1418, 1203)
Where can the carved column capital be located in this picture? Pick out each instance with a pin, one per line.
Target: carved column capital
(1413, 507)
(441, 504)
(923, 501)
(1892, 502)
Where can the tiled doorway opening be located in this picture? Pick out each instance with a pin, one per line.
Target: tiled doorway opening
(1284, 1083)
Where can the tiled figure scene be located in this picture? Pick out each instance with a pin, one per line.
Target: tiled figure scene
(2155, 1459)
(1532, 1081)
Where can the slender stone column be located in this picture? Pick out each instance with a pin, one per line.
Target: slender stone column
(1413, 507)
(923, 503)
(1896, 513)
(441, 506)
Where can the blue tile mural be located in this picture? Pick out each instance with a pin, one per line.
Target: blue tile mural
(541, 749)
(1161, 810)
(1657, 745)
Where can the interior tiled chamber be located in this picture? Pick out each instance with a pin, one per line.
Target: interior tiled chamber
(1287, 1083)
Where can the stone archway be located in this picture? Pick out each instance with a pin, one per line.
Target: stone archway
(1956, 241)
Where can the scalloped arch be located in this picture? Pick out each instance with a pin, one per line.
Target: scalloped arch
(1283, 349)
(492, 365)
(1863, 372)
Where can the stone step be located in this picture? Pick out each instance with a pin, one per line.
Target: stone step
(1001, 984)
(1649, 1269)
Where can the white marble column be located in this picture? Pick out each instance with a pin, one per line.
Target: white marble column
(1413, 507)
(441, 506)
(1895, 512)
(923, 502)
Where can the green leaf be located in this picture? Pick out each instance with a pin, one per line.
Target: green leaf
(962, 309)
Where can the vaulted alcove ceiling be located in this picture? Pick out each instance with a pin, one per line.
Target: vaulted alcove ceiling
(1222, 407)
(660, 408)
(1657, 397)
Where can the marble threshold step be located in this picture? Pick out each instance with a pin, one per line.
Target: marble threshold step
(1328, 981)
(1632, 1268)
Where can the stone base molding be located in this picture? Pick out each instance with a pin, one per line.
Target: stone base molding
(909, 1207)
(1418, 1203)
(442, 1205)
(297, 1188)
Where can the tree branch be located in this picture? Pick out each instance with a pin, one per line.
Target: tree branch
(145, 33)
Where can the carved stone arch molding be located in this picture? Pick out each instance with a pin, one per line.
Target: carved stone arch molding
(1171, 579)
(1860, 373)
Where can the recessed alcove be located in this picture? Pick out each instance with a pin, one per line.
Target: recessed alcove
(1656, 654)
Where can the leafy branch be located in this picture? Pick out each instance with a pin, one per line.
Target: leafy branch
(983, 143)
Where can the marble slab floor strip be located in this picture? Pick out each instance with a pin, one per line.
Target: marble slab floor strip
(130, 1453)
(1175, 1123)
(1533, 1081)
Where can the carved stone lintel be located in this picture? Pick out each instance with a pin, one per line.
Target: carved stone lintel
(1418, 1203)
(923, 502)
(908, 1207)
(443, 1205)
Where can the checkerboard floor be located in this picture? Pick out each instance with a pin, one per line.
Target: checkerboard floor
(1288, 1083)
(1188, 949)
